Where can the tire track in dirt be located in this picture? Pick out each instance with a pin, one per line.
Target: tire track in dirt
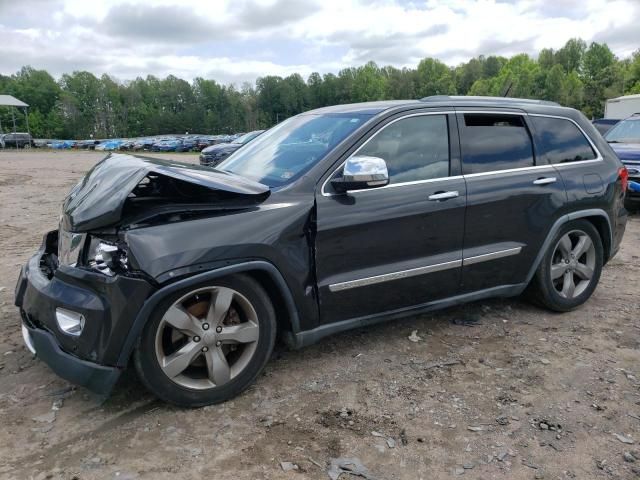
(86, 439)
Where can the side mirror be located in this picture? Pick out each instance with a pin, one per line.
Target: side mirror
(362, 172)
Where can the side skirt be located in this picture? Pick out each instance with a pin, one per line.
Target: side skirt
(309, 337)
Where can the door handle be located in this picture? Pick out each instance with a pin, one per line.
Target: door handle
(443, 195)
(545, 181)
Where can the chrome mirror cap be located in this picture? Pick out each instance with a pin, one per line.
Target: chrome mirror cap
(362, 172)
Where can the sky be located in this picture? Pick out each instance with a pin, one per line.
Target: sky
(234, 41)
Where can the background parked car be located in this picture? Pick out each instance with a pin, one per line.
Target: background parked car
(204, 142)
(167, 145)
(603, 125)
(87, 144)
(63, 144)
(127, 145)
(214, 154)
(188, 144)
(109, 145)
(143, 144)
(624, 138)
(17, 140)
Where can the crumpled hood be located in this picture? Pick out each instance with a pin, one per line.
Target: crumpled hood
(98, 199)
(627, 151)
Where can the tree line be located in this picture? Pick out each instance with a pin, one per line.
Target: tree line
(80, 104)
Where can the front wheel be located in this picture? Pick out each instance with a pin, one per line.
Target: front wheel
(207, 344)
(571, 267)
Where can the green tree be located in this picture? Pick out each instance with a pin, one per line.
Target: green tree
(434, 78)
(598, 74)
(80, 104)
(368, 83)
(570, 56)
(467, 74)
(546, 58)
(554, 84)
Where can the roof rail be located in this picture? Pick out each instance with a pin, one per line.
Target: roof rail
(445, 98)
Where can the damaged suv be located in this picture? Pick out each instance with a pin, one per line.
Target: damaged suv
(337, 218)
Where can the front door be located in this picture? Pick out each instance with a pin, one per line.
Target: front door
(394, 247)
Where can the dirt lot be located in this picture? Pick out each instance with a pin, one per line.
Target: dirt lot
(497, 389)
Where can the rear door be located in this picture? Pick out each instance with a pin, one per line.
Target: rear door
(513, 199)
(394, 247)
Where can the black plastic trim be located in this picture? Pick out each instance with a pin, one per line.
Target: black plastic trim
(152, 302)
(303, 339)
(595, 212)
(97, 378)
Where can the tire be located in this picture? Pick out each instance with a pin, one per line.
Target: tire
(222, 332)
(557, 294)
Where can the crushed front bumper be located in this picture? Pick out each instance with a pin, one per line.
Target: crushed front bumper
(97, 378)
(109, 306)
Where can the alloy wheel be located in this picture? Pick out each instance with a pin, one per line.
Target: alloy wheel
(573, 264)
(207, 337)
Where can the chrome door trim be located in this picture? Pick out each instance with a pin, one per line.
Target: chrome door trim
(416, 182)
(387, 277)
(401, 184)
(578, 162)
(485, 257)
(437, 267)
(599, 157)
(509, 170)
(494, 112)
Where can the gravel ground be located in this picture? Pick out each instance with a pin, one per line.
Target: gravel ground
(496, 389)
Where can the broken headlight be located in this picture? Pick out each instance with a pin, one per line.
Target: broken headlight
(107, 257)
(70, 246)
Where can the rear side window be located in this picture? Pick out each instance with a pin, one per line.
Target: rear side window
(414, 148)
(561, 141)
(495, 142)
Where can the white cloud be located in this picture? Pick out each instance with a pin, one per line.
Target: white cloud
(239, 40)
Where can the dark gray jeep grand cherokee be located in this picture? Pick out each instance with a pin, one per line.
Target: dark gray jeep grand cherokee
(337, 218)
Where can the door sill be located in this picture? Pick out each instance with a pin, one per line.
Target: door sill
(309, 337)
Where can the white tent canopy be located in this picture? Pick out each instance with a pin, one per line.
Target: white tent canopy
(9, 101)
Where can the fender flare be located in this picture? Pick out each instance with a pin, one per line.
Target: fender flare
(595, 212)
(152, 302)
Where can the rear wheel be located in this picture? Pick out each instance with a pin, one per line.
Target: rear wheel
(207, 344)
(570, 270)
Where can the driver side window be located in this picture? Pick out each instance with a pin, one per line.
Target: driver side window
(414, 148)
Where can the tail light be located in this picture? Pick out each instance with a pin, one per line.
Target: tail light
(623, 175)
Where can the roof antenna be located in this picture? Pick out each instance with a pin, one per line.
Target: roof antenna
(508, 89)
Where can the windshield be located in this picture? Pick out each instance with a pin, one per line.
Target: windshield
(283, 153)
(627, 131)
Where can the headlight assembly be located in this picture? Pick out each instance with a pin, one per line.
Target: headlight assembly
(107, 257)
(70, 247)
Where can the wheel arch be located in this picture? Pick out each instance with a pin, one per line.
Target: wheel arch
(596, 216)
(604, 230)
(263, 272)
